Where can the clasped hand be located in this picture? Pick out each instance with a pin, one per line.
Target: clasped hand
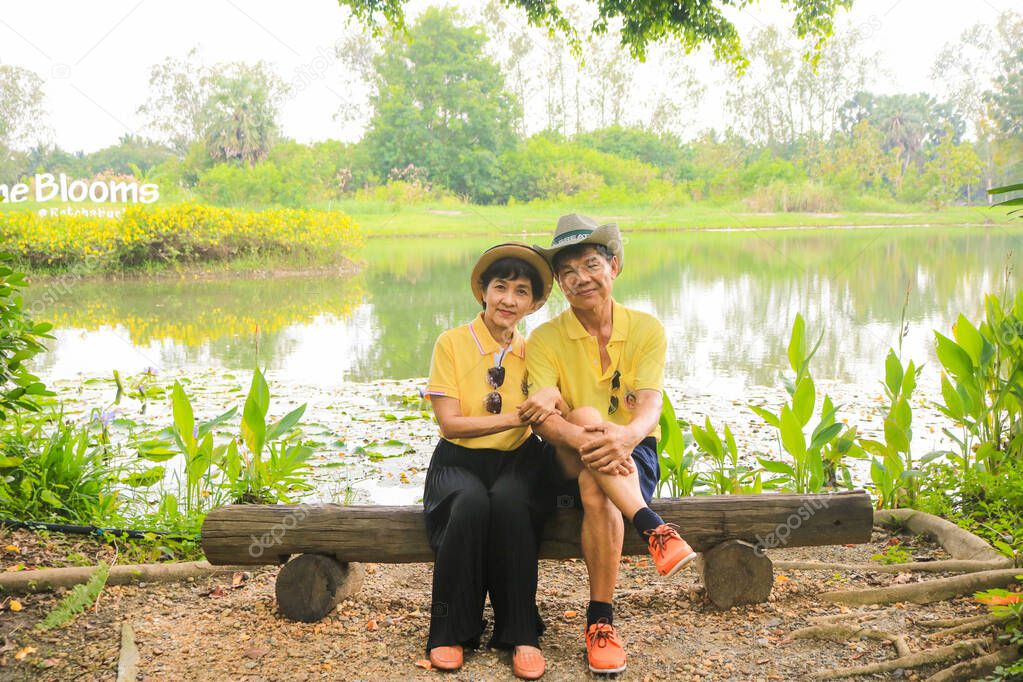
(609, 451)
(540, 406)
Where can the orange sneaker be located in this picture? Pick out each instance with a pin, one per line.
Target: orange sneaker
(446, 657)
(670, 552)
(528, 663)
(604, 651)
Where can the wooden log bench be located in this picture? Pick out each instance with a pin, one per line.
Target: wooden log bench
(329, 541)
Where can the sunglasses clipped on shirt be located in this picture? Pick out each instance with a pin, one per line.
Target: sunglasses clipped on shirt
(616, 384)
(495, 379)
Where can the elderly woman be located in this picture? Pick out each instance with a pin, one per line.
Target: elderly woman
(484, 508)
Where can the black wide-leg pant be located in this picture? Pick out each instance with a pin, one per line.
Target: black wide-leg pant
(485, 511)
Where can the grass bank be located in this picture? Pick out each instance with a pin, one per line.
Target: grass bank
(458, 219)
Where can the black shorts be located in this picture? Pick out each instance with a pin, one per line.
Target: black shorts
(566, 490)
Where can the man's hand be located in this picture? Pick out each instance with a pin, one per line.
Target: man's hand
(610, 450)
(541, 405)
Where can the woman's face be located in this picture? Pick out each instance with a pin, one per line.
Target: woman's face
(508, 301)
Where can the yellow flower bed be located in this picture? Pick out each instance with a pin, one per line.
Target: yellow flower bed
(185, 233)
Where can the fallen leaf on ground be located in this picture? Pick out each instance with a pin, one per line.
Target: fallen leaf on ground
(782, 579)
(994, 599)
(15, 605)
(424, 664)
(571, 614)
(240, 577)
(371, 625)
(24, 653)
(12, 548)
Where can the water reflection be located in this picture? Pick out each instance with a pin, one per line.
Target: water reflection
(727, 300)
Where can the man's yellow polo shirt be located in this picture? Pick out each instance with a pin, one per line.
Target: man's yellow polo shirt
(458, 369)
(563, 354)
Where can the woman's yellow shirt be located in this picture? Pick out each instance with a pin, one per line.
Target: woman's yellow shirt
(458, 369)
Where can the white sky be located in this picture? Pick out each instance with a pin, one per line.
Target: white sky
(95, 57)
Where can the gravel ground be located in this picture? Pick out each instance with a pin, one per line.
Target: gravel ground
(209, 629)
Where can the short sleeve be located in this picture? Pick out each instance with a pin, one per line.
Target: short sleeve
(442, 380)
(650, 365)
(541, 364)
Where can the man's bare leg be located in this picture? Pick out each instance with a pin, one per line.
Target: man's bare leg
(605, 498)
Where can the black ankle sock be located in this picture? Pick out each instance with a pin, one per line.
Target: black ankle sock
(598, 610)
(646, 519)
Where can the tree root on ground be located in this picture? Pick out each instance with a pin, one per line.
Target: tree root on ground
(972, 625)
(944, 566)
(976, 668)
(926, 592)
(981, 568)
(47, 579)
(839, 632)
(949, 622)
(914, 660)
(959, 542)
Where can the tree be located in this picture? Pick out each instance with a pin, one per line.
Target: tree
(441, 106)
(955, 167)
(1006, 99)
(178, 90)
(239, 117)
(782, 99)
(232, 109)
(692, 23)
(21, 116)
(909, 123)
(132, 154)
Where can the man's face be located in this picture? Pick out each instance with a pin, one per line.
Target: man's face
(587, 278)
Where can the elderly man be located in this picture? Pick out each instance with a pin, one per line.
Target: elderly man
(607, 361)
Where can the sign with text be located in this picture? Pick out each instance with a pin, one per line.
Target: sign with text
(48, 187)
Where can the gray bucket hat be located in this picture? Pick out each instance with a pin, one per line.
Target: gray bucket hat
(576, 229)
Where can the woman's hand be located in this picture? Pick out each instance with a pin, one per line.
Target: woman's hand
(541, 405)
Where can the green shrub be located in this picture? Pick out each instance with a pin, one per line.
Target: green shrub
(52, 470)
(20, 340)
(783, 196)
(547, 168)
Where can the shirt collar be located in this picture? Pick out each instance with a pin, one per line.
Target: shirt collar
(487, 344)
(619, 323)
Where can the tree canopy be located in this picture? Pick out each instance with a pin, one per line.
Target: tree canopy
(693, 23)
(441, 107)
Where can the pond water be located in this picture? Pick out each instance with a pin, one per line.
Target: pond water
(726, 298)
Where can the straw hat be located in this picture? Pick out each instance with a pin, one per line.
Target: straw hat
(579, 229)
(518, 250)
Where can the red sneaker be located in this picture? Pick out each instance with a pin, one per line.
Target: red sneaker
(604, 651)
(670, 552)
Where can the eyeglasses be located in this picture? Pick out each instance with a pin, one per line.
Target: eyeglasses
(495, 378)
(616, 383)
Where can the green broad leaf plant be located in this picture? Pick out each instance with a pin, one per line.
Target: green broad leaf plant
(817, 458)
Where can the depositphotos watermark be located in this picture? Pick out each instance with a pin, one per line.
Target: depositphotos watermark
(273, 537)
(779, 537)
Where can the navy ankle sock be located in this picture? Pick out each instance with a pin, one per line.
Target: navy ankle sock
(646, 519)
(598, 610)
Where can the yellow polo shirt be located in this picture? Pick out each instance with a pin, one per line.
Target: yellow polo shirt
(563, 354)
(458, 369)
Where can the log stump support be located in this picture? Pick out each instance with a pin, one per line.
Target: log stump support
(735, 572)
(311, 585)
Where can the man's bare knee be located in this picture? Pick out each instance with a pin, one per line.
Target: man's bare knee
(584, 416)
